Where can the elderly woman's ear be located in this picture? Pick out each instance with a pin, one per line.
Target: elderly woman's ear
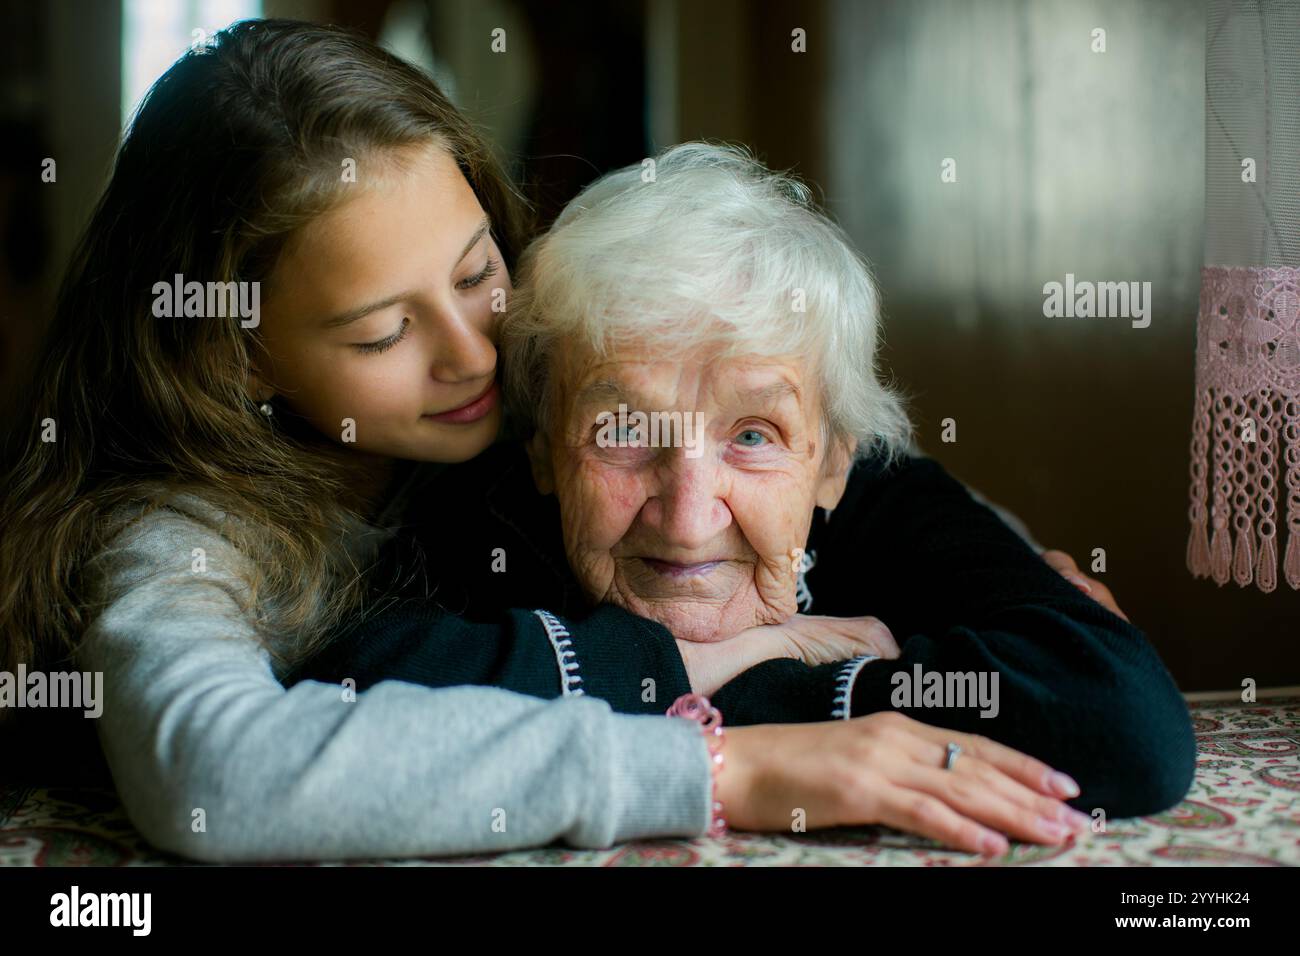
(539, 456)
(835, 473)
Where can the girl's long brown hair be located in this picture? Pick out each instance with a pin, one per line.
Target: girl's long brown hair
(234, 148)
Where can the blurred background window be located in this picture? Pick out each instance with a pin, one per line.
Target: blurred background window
(156, 32)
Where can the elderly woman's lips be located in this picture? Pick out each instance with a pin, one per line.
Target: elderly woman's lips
(676, 569)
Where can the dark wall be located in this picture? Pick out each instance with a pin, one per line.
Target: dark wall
(1090, 165)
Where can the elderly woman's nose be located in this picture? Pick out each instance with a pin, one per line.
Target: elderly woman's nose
(461, 346)
(688, 508)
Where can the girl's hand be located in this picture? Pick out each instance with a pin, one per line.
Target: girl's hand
(889, 769)
(1063, 563)
(809, 638)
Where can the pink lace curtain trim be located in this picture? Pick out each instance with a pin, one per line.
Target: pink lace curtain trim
(1246, 430)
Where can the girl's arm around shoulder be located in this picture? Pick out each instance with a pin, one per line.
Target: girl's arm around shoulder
(215, 760)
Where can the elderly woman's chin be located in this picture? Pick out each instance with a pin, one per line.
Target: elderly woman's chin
(702, 603)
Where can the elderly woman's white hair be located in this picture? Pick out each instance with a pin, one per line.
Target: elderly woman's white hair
(704, 246)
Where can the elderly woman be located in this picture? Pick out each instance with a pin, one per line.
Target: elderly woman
(743, 346)
(691, 357)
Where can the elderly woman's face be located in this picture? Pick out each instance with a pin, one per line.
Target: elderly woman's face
(703, 537)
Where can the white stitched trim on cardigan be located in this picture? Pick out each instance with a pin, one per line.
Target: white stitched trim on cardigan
(843, 703)
(564, 654)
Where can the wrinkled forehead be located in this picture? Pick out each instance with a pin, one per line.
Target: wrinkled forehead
(642, 372)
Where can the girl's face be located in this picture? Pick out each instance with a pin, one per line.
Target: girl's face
(379, 323)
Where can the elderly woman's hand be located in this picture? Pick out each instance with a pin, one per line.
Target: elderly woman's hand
(812, 639)
(1063, 563)
(889, 769)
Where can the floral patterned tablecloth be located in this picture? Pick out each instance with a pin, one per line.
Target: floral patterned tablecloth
(1243, 809)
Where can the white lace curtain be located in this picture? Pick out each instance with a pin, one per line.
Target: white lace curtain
(1245, 470)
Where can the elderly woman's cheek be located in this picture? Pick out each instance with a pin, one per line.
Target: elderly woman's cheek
(776, 527)
(598, 507)
(604, 505)
(613, 496)
(774, 516)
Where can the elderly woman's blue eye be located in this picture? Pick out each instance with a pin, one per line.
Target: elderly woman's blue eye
(751, 437)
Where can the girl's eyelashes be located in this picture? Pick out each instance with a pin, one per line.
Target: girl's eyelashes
(383, 345)
(479, 278)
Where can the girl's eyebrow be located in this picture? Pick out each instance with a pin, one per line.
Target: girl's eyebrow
(479, 233)
(360, 312)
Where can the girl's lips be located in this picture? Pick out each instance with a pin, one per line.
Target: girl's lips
(471, 412)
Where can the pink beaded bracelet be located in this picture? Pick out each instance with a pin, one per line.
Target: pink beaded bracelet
(696, 707)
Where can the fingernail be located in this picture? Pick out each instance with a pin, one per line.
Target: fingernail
(1072, 817)
(1062, 784)
(993, 845)
(1052, 829)
(1079, 583)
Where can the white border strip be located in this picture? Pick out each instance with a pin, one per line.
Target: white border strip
(564, 655)
(842, 706)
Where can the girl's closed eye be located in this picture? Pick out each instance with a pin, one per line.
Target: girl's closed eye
(487, 272)
(383, 345)
(489, 269)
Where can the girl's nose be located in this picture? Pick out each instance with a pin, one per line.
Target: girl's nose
(462, 348)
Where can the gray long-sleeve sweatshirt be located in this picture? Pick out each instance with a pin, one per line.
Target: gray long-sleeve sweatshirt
(216, 761)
